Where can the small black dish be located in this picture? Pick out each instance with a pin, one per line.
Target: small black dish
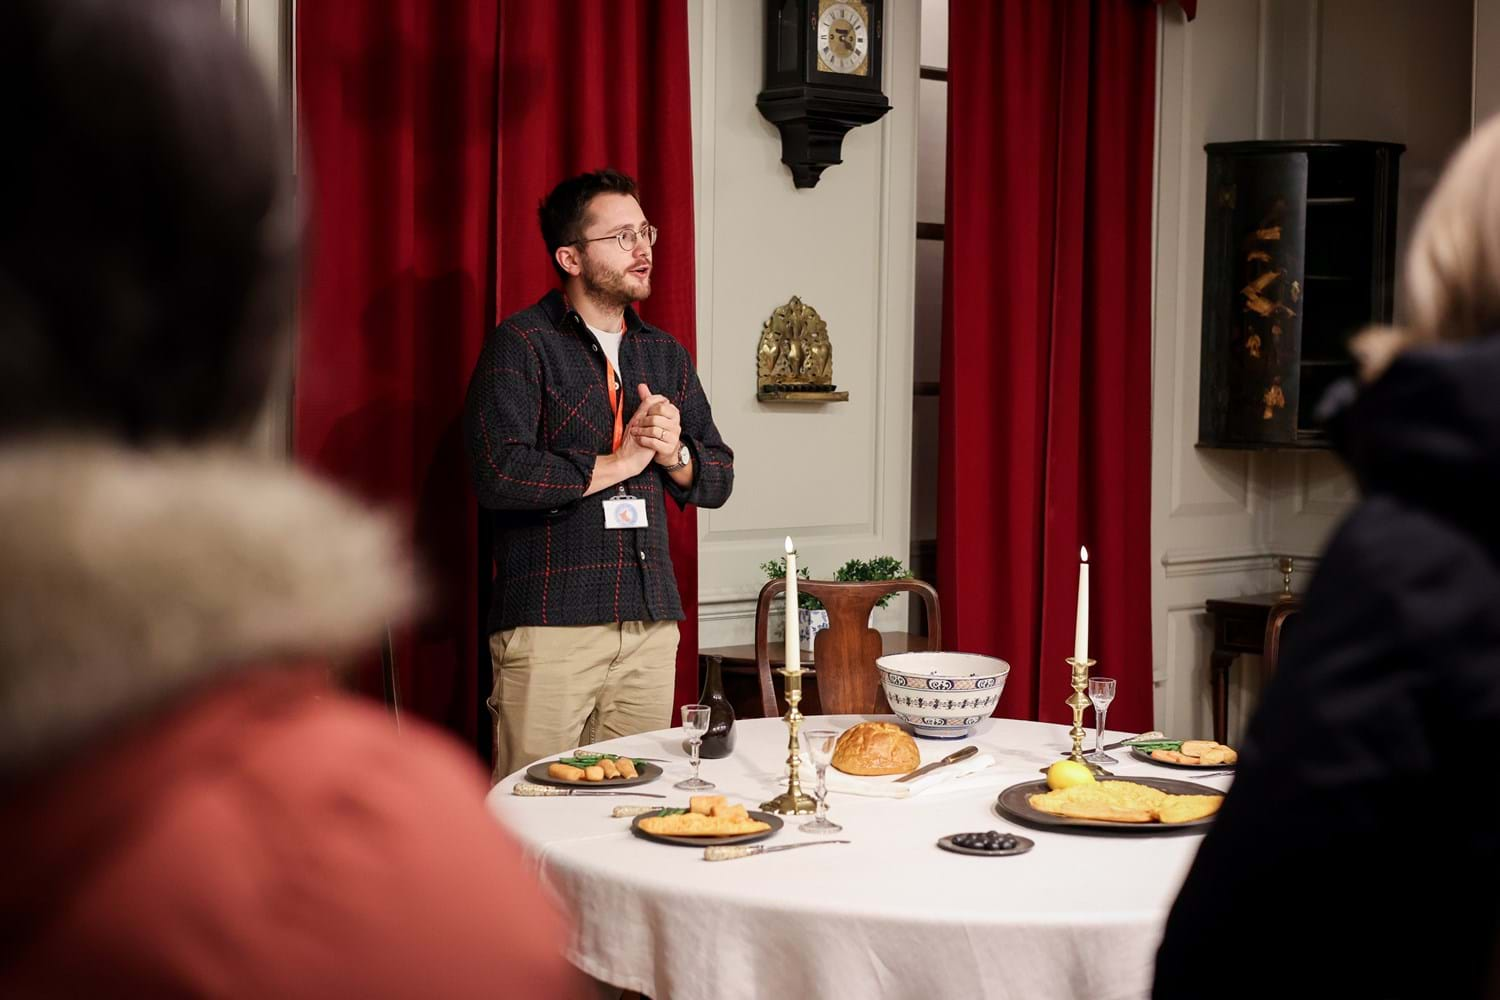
(1023, 844)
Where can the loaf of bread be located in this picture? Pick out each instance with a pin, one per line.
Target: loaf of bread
(876, 748)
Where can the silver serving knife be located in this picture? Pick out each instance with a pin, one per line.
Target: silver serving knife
(729, 852)
(952, 758)
(526, 788)
(1125, 742)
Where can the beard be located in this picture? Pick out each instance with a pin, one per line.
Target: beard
(612, 288)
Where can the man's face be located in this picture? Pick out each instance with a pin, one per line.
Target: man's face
(611, 275)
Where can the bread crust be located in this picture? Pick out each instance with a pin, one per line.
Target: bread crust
(871, 748)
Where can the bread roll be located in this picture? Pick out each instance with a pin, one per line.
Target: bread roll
(594, 773)
(876, 748)
(627, 768)
(610, 770)
(565, 772)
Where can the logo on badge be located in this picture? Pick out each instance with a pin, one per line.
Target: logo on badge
(625, 514)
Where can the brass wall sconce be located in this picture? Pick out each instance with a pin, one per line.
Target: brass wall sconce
(794, 359)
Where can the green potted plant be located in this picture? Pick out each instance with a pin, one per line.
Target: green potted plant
(879, 568)
(812, 616)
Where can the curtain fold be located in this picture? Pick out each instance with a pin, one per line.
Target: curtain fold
(1046, 378)
(430, 132)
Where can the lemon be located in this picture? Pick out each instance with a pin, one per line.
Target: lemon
(1067, 773)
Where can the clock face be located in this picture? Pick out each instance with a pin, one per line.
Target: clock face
(844, 37)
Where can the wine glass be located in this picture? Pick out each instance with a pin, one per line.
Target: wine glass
(820, 744)
(1101, 693)
(695, 724)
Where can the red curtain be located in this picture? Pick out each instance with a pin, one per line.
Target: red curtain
(1046, 391)
(588, 83)
(430, 132)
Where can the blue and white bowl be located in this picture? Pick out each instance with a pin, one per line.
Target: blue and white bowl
(942, 695)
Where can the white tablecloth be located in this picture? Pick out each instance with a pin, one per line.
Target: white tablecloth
(890, 915)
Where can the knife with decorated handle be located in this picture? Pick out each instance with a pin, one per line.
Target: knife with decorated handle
(952, 758)
(526, 788)
(730, 852)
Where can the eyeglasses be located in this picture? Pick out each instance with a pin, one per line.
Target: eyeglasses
(627, 237)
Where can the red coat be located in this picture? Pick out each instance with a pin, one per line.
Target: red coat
(175, 820)
(270, 839)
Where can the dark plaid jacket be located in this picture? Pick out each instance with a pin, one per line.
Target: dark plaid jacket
(536, 417)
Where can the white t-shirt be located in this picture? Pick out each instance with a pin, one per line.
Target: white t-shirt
(611, 344)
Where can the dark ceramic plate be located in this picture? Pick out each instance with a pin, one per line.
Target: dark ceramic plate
(538, 773)
(1013, 804)
(744, 838)
(1181, 767)
(1023, 844)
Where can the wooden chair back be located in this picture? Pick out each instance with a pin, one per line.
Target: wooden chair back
(844, 654)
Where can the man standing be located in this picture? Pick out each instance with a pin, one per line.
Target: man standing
(580, 420)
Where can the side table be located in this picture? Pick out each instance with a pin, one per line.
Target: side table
(1250, 624)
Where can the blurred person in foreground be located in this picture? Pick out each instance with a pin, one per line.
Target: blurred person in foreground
(186, 806)
(1358, 852)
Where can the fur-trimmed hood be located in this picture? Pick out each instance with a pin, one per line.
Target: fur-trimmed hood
(127, 577)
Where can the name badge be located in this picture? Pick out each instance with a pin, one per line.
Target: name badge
(624, 512)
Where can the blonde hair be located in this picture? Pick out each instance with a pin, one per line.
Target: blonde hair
(1451, 279)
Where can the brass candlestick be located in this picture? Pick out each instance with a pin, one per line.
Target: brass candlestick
(1078, 703)
(793, 801)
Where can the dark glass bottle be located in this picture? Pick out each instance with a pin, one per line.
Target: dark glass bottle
(719, 740)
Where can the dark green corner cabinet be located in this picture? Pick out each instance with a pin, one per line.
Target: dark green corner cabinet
(1298, 255)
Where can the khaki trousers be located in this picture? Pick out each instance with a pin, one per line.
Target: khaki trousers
(561, 687)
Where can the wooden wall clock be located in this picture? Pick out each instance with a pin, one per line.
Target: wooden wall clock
(823, 78)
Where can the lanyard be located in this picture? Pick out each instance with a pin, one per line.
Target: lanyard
(615, 388)
(616, 404)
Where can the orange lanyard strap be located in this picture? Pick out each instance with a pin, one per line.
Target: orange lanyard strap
(616, 404)
(616, 390)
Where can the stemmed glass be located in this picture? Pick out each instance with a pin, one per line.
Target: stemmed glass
(1101, 693)
(820, 745)
(695, 724)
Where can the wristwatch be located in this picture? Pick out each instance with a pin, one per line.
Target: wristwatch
(683, 458)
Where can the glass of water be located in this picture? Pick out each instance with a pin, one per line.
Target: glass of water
(695, 724)
(1101, 693)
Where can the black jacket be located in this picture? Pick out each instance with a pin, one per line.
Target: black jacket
(536, 418)
(1358, 852)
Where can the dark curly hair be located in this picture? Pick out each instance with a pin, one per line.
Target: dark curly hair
(148, 244)
(564, 211)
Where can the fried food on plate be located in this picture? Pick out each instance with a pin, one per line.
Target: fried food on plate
(1124, 802)
(704, 804)
(694, 824)
(1186, 808)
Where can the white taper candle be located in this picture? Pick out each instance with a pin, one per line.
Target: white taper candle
(793, 645)
(1081, 632)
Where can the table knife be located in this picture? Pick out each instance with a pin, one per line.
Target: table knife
(526, 788)
(730, 852)
(952, 758)
(1125, 742)
(654, 760)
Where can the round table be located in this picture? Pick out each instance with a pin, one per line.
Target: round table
(889, 915)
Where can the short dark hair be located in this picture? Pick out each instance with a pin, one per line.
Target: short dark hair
(564, 211)
(148, 244)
